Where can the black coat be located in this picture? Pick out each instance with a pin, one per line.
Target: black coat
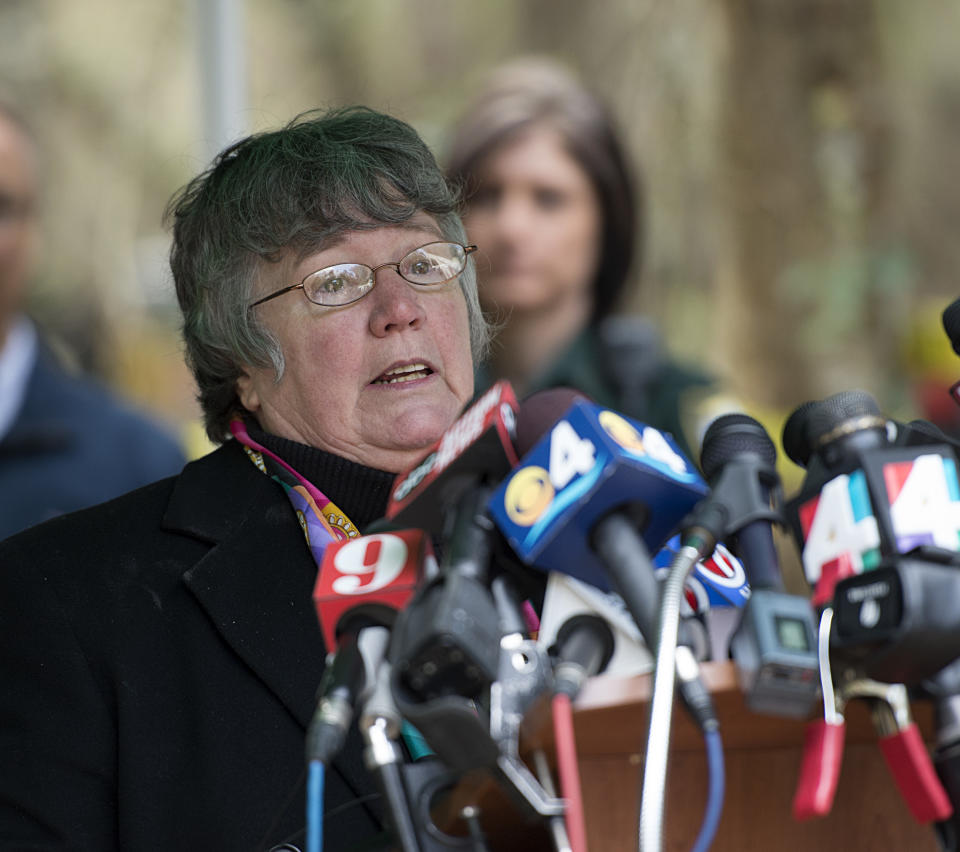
(159, 659)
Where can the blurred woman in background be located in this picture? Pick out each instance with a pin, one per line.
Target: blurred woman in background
(551, 201)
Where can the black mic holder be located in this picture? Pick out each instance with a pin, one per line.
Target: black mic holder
(467, 746)
(446, 640)
(898, 622)
(472, 728)
(750, 490)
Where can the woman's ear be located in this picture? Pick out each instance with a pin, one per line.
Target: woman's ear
(247, 391)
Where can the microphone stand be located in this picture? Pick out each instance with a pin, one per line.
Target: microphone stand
(380, 726)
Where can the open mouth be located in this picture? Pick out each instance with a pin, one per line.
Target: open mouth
(406, 373)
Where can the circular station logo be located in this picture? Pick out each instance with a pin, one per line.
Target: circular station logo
(528, 495)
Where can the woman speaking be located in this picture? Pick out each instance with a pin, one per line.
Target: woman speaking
(159, 653)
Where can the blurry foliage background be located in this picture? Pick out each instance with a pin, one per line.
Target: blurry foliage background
(800, 160)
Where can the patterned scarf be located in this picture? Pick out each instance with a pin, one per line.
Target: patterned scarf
(321, 520)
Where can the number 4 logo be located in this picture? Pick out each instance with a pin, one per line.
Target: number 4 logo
(570, 454)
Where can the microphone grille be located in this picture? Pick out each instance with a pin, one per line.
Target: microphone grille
(731, 435)
(796, 434)
(951, 324)
(843, 407)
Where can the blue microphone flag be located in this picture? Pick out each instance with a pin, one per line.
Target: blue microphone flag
(591, 462)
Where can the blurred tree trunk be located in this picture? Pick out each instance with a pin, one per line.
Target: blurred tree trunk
(805, 168)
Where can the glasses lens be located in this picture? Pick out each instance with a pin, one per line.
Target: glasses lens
(434, 263)
(338, 285)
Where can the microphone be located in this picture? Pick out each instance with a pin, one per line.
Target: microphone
(369, 579)
(347, 679)
(831, 516)
(951, 324)
(591, 463)
(774, 646)
(739, 461)
(944, 690)
(879, 525)
(588, 479)
(446, 648)
(583, 647)
(714, 594)
(574, 502)
(450, 646)
(568, 599)
(479, 445)
(462, 671)
(362, 584)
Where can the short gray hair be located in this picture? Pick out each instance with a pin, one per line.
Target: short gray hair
(292, 190)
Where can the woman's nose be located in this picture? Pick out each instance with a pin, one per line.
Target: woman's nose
(394, 304)
(511, 219)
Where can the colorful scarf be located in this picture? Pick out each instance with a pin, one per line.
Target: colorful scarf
(321, 520)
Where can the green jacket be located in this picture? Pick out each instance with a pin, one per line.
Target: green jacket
(643, 384)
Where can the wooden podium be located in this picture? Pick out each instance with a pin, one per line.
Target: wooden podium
(762, 758)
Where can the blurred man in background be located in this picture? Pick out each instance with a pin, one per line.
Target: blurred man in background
(65, 441)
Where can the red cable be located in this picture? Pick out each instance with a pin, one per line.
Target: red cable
(569, 771)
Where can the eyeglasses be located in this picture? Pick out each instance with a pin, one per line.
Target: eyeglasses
(334, 286)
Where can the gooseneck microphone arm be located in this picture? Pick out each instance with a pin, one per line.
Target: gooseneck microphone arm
(697, 545)
(627, 560)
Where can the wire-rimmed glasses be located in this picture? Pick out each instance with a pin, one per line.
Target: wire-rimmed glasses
(343, 283)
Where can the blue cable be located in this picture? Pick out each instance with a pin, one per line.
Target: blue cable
(315, 807)
(715, 791)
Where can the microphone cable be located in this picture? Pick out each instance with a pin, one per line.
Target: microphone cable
(583, 647)
(568, 771)
(716, 775)
(316, 775)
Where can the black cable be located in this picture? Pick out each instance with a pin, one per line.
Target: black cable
(301, 833)
(391, 782)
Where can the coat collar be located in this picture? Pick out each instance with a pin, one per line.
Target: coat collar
(256, 580)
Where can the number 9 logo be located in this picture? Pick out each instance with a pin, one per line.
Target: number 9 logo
(378, 559)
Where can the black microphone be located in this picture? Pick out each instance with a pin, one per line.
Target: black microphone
(951, 324)
(877, 523)
(583, 648)
(774, 646)
(464, 672)
(477, 447)
(739, 461)
(347, 679)
(446, 645)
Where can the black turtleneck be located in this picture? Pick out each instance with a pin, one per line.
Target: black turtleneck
(360, 491)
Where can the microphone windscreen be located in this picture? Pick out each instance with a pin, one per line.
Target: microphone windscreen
(951, 324)
(732, 434)
(796, 434)
(840, 408)
(539, 411)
